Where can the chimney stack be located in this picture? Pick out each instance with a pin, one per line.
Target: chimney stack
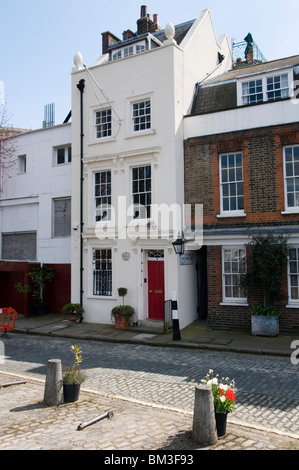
(145, 24)
(108, 39)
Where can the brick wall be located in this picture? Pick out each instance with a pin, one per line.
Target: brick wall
(263, 177)
(262, 151)
(237, 317)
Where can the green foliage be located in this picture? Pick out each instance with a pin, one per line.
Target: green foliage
(41, 277)
(72, 309)
(268, 311)
(74, 375)
(266, 265)
(122, 291)
(124, 310)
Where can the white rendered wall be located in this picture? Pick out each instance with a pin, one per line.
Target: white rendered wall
(26, 199)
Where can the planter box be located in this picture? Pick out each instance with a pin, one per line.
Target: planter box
(264, 326)
(121, 322)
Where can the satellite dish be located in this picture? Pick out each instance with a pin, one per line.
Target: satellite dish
(78, 60)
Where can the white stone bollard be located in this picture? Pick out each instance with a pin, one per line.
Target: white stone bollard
(53, 394)
(204, 423)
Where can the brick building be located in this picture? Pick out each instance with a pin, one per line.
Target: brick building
(242, 164)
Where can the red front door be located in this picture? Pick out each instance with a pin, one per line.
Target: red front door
(156, 290)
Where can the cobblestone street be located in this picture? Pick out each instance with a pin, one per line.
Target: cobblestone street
(151, 393)
(27, 424)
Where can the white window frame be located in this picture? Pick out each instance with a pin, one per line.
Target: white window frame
(60, 199)
(234, 212)
(281, 89)
(105, 126)
(128, 51)
(232, 300)
(137, 108)
(67, 157)
(293, 272)
(243, 80)
(253, 85)
(109, 293)
(22, 164)
(144, 192)
(105, 186)
(291, 209)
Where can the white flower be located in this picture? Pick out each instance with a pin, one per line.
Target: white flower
(213, 381)
(224, 386)
(222, 398)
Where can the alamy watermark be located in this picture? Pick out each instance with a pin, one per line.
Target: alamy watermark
(156, 221)
(295, 354)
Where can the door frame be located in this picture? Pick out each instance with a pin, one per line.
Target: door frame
(161, 257)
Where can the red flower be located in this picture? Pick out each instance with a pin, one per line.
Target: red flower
(229, 395)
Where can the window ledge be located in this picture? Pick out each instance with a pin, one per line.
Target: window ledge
(229, 215)
(290, 212)
(295, 305)
(234, 304)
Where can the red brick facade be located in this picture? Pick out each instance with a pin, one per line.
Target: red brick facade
(264, 204)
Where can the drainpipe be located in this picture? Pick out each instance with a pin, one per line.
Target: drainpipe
(81, 86)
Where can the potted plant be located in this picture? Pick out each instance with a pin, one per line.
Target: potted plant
(223, 398)
(73, 377)
(73, 312)
(122, 313)
(267, 262)
(265, 321)
(41, 277)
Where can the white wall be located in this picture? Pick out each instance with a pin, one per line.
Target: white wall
(167, 76)
(269, 114)
(26, 199)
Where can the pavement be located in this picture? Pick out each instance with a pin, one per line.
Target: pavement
(197, 335)
(28, 424)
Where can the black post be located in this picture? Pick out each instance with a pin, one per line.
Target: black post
(81, 86)
(176, 334)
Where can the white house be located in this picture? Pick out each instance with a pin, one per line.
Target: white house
(128, 166)
(35, 212)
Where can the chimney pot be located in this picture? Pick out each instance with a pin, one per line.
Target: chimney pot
(143, 11)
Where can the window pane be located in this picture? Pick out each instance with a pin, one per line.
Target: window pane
(233, 266)
(102, 194)
(141, 114)
(230, 201)
(62, 217)
(102, 272)
(141, 191)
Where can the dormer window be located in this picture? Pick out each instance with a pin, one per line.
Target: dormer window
(264, 88)
(277, 87)
(252, 92)
(128, 51)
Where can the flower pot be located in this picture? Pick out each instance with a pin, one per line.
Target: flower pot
(40, 309)
(221, 420)
(71, 392)
(264, 326)
(73, 318)
(121, 322)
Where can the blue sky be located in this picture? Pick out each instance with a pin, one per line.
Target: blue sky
(38, 40)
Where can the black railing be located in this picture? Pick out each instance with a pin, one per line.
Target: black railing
(102, 282)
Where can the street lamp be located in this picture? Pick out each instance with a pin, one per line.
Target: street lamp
(179, 246)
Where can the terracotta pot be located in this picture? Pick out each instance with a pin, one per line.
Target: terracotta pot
(121, 322)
